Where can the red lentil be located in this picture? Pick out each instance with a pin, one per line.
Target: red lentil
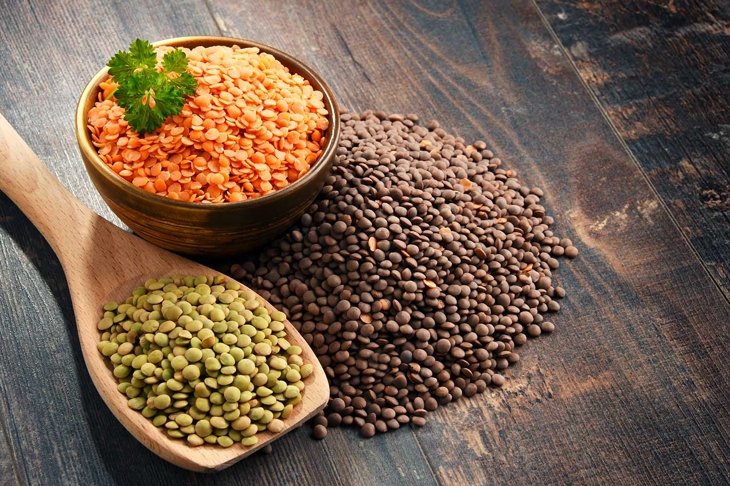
(252, 127)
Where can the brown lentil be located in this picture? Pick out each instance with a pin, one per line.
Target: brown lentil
(415, 275)
(319, 432)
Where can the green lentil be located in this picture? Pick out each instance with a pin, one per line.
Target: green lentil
(232, 415)
(287, 411)
(216, 398)
(167, 326)
(275, 426)
(195, 440)
(250, 430)
(105, 323)
(246, 366)
(218, 422)
(217, 314)
(174, 385)
(137, 403)
(256, 413)
(241, 423)
(292, 376)
(203, 359)
(268, 401)
(201, 390)
(260, 379)
(193, 325)
(202, 404)
(196, 414)
(193, 355)
(161, 402)
(210, 382)
(262, 349)
(121, 371)
(306, 370)
(267, 417)
(277, 363)
(249, 441)
(212, 364)
(228, 406)
(148, 412)
(172, 313)
(225, 441)
(232, 394)
(178, 363)
(241, 382)
(148, 369)
(125, 348)
(279, 386)
(161, 339)
(150, 326)
(108, 348)
(277, 406)
(191, 373)
(225, 380)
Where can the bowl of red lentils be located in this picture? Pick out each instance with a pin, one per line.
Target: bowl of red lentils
(247, 154)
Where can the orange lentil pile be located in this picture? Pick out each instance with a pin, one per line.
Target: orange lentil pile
(252, 127)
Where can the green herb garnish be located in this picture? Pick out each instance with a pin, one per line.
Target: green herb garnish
(150, 95)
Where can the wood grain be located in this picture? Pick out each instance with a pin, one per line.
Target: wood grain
(661, 72)
(63, 432)
(8, 462)
(631, 387)
(616, 395)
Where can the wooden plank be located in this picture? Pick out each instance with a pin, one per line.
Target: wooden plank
(58, 429)
(8, 463)
(61, 431)
(631, 387)
(660, 70)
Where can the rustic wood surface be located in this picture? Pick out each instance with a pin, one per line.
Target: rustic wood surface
(630, 389)
(661, 70)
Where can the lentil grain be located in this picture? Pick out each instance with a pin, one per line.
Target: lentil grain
(446, 252)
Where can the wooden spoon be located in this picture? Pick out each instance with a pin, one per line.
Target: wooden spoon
(104, 263)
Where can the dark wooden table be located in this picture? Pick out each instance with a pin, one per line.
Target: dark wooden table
(619, 111)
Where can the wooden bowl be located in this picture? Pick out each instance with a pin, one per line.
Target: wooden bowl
(209, 229)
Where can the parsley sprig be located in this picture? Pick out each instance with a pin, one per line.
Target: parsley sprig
(149, 94)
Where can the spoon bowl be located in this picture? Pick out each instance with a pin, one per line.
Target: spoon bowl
(103, 263)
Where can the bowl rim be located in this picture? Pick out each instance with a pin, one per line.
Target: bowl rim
(87, 148)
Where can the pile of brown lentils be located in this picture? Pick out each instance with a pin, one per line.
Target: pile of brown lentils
(415, 275)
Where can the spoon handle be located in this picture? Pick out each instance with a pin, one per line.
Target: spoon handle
(57, 214)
